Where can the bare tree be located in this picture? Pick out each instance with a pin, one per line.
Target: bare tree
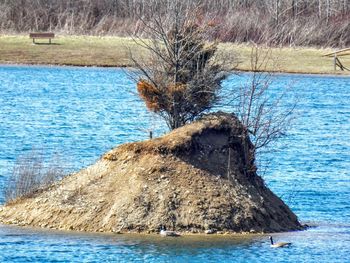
(181, 77)
(259, 110)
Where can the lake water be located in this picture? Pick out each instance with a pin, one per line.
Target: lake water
(79, 113)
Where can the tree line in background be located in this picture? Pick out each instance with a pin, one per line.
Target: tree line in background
(273, 22)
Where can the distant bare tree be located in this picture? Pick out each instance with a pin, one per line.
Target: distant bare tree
(259, 110)
(274, 22)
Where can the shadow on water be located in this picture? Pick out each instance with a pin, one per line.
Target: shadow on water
(51, 245)
(11, 231)
(122, 247)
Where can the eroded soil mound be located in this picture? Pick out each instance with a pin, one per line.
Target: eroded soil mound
(195, 178)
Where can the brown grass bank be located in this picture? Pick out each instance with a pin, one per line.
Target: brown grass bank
(114, 52)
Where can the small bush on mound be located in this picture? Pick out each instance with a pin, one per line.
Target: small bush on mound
(183, 75)
(30, 174)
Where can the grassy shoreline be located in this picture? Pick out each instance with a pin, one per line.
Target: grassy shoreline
(111, 51)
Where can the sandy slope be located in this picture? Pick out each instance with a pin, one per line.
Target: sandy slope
(178, 180)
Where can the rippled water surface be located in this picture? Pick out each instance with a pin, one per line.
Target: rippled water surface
(79, 113)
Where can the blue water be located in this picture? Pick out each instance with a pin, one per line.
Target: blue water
(79, 113)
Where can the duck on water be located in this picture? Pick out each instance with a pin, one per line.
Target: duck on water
(279, 244)
(163, 232)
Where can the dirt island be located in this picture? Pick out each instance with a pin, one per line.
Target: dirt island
(193, 179)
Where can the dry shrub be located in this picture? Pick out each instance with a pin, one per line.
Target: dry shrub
(149, 94)
(30, 175)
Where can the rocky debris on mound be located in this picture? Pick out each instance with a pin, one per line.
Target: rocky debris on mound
(197, 178)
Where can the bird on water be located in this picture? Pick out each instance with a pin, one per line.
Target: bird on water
(279, 244)
(167, 233)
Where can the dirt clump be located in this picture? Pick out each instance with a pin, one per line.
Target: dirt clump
(193, 179)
